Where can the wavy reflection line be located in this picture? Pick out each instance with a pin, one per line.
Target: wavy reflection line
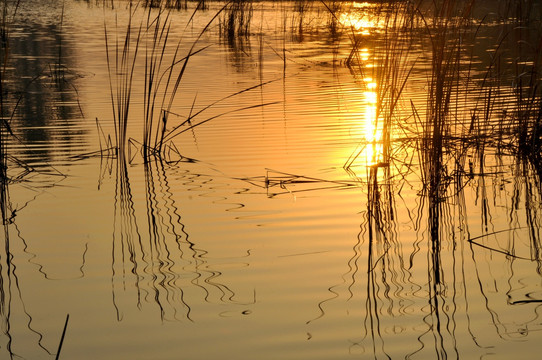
(27, 313)
(533, 197)
(465, 234)
(8, 276)
(125, 235)
(380, 240)
(30, 318)
(161, 215)
(5, 263)
(10, 288)
(204, 277)
(443, 267)
(155, 250)
(388, 278)
(494, 315)
(439, 221)
(526, 192)
(175, 228)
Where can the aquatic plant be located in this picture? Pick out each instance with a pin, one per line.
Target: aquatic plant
(163, 74)
(445, 36)
(9, 11)
(236, 19)
(122, 59)
(121, 71)
(166, 81)
(527, 112)
(170, 4)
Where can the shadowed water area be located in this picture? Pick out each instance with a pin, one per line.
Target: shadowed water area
(311, 180)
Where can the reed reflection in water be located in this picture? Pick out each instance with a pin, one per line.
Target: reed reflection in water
(437, 299)
(154, 260)
(18, 339)
(6, 269)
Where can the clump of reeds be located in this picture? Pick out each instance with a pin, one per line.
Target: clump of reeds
(9, 11)
(446, 31)
(301, 8)
(163, 74)
(168, 4)
(236, 19)
(121, 61)
(162, 77)
(163, 80)
(512, 84)
(333, 23)
(528, 85)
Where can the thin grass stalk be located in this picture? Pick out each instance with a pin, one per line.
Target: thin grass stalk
(153, 63)
(59, 72)
(181, 128)
(121, 78)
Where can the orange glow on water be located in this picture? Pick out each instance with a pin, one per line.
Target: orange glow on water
(372, 133)
(361, 24)
(361, 18)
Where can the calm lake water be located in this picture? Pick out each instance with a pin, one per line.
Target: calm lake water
(257, 242)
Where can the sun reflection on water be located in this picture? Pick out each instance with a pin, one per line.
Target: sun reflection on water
(364, 23)
(371, 131)
(361, 18)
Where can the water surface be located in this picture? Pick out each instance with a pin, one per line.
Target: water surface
(257, 242)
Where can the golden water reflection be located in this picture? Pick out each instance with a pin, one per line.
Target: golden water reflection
(372, 154)
(360, 18)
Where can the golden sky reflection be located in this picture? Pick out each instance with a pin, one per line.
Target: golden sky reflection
(363, 22)
(360, 17)
(372, 151)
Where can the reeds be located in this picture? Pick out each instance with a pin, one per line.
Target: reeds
(445, 32)
(234, 23)
(121, 73)
(164, 69)
(162, 77)
(169, 4)
(9, 11)
(528, 86)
